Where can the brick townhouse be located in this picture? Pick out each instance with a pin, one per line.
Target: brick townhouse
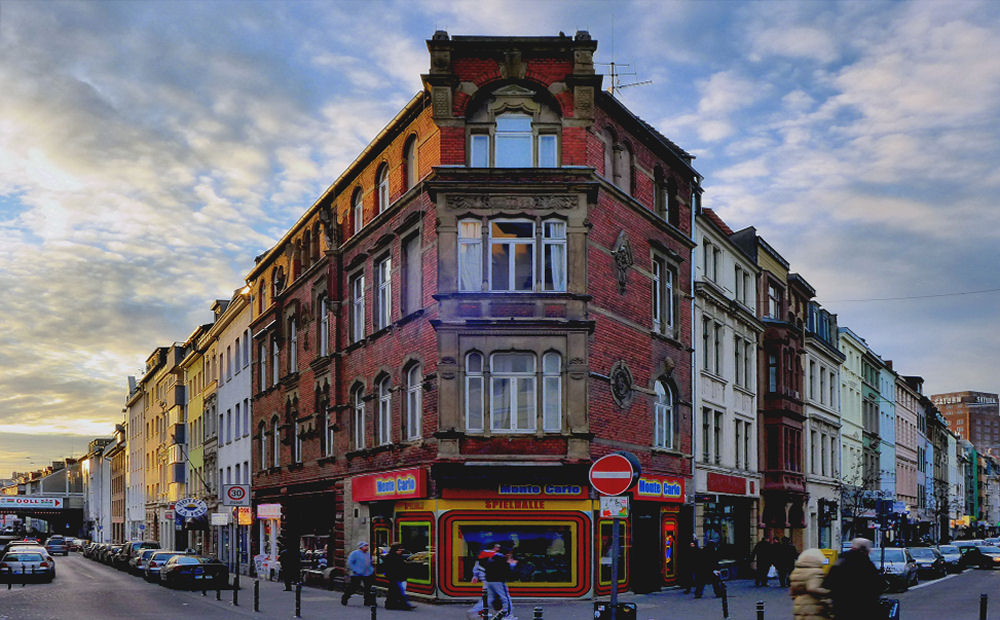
(496, 292)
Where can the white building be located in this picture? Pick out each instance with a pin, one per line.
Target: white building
(135, 455)
(821, 431)
(232, 331)
(725, 413)
(97, 491)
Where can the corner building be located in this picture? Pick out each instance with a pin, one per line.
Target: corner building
(493, 295)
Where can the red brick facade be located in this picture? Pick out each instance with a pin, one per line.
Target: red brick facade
(589, 359)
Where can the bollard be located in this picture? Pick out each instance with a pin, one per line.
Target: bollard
(236, 591)
(537, 614)
(298, 600)
(983, 600)
(204, 590)
(218, 593)
(725, 600)
(374, 607)
(760, 610)
(256, 594)
(485, 613)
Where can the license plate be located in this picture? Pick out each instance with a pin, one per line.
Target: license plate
(199, 576)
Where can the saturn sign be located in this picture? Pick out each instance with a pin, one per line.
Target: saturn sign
(190, 507)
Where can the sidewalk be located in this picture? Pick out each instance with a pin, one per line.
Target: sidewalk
(667, 605)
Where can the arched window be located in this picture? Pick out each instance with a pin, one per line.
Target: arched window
(382, 181)
(623, 168)
(275, 443)
(357, 210)
(673, 208)
(263, 367)
(293, 346)
(474, 391)
(275, 372)
(610, 140)
(513, 127)
(384, 411)
(327, 428)
(358, 421)
(323, 327)
(307, 254)
(552, 392)
(664, 420)
(314, 247)
(410, 161)
(414, 381)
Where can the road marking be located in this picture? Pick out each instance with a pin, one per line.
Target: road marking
(930, 583)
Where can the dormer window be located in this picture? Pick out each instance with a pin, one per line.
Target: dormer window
(513, 130)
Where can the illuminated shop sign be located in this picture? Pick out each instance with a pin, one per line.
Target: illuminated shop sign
(534, 490)
(652, 487)
(400, 484)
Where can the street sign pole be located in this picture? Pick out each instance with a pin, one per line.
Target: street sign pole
(614, 568)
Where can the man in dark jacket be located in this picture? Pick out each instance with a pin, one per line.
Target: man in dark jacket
(291, 566)
(394, 567)
(762, 554)
(497, 573)
(855, 584)
(706, 564)
(784, 560)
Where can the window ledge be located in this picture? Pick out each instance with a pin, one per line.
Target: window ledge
(669, 452)
(667, 338)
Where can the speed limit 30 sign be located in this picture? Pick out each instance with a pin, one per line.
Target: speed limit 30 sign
(236, 495)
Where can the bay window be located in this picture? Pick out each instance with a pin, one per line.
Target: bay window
(518, 249)
(474, 392)
(514, 402)
(512, 392)
(552, 392)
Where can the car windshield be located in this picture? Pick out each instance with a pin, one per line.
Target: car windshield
(891, 555)
(948, 549)
(148, 552)
(990, 549)
(922, 552)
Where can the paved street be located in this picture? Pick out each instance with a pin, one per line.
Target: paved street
(84, 589)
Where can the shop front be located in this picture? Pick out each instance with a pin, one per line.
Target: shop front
(660, 521)
(726, 515)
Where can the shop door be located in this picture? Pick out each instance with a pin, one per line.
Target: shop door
(669, 535)
(646, 557)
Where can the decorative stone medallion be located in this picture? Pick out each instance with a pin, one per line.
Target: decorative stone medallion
(621, 384)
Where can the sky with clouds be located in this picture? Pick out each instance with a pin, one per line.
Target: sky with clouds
(149, 150)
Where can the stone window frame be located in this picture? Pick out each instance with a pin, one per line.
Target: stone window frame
(381, 292)
(356, 315)
(414, 400)
(383, 197)
(546, 120)
(357, 210)
(540, 248)
(664, 294)
(542, 390)
(383, 417)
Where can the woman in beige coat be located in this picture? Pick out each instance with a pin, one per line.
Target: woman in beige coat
(811, 600)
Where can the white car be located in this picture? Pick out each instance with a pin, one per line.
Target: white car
(27, 563)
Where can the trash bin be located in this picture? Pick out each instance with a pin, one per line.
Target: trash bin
(602, 611)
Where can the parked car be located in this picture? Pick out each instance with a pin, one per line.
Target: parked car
(952, 557)
(897, 566)
(27, 563)
(929, 561)
(982, 557)
(57, 545)
(137, 565)
(156, 562)
(108, 554)
(130, 549)
(993, 542)
(194, 571)
(5, 540)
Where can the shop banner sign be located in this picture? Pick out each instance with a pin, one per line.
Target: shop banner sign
(614, 506)
(652, 487)
(399, 484)
(23, 501)
(220, 518)
(190, 507)
(244, 515)
(268, 511)
(532, 490)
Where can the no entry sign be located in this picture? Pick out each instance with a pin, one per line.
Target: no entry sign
(614, 474)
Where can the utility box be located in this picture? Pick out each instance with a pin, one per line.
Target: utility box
(602, 611)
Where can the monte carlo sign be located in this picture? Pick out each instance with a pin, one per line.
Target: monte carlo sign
(29, 502)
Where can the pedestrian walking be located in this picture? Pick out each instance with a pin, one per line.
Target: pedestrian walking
(761, 559)
(497, 574)
(395, 572)
(810, 599)
(785, 560)
(690, 561)
(291, 566)
(705, 570)
(359, 563)
(479, 575)
(855, 584)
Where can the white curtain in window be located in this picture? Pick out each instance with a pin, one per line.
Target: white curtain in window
(474, 392)
(470, 256)
(551, 393)
(413, 403)
(555, 256)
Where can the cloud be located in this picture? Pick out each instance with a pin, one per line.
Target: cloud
(800, 42)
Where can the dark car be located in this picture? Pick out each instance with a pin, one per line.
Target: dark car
(57, 545)
(952, 557)
(982, 557)
(129, 550)
(108, 554)
(194, 571)
(156, 562)
(929, 561)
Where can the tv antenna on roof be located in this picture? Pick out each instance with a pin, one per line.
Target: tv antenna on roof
(616, 72)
